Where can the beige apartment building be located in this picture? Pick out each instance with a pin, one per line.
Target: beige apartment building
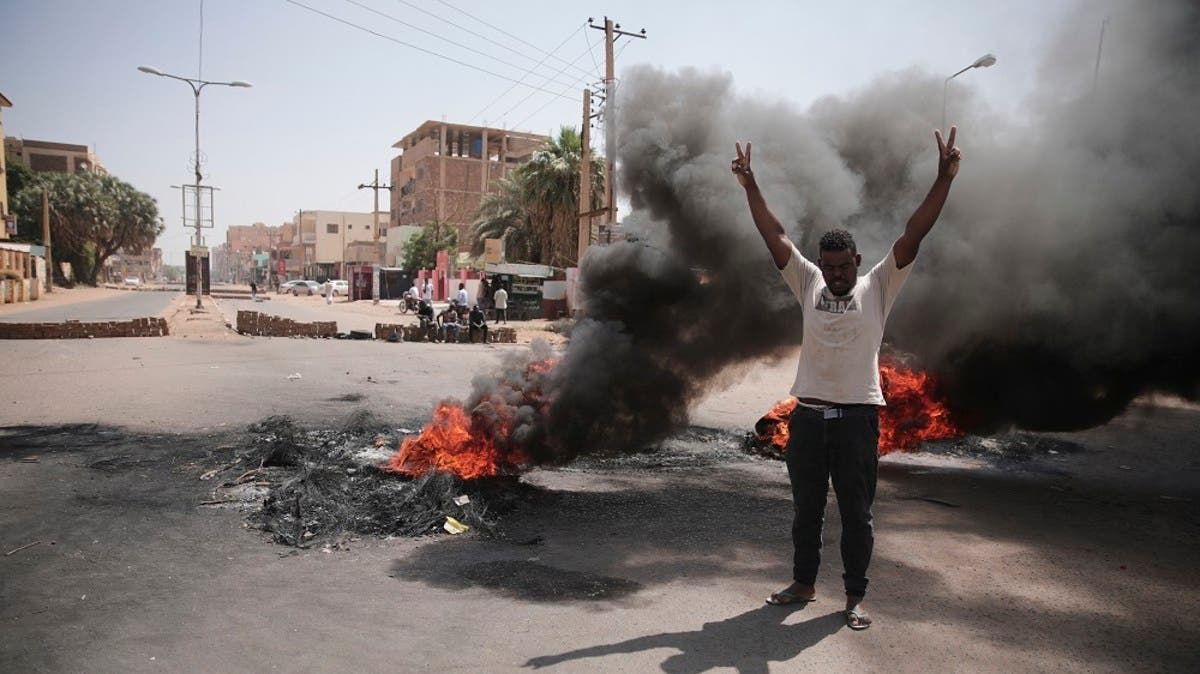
(325, 241)
(444, 170)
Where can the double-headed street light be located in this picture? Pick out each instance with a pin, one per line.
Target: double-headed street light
(197, 86)
(985, 61)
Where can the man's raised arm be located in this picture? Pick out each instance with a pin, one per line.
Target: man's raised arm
(768, 225)
(922, 220)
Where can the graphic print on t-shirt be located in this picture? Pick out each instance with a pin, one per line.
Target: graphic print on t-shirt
(830, 303)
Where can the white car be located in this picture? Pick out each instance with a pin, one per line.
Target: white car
(300, 287)
(340, 287)
(132, 281)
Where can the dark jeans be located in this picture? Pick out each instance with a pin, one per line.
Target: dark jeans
(502, 315)
(845, 449)
(474, 329)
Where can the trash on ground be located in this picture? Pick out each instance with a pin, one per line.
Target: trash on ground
(462, 500)
(453, 526)
(294, 375)
(27, 545)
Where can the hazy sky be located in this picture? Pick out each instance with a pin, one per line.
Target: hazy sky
(329, 99)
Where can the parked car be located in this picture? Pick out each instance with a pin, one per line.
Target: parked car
(300, 287)
(132, 281)
(340, 287)
(306, 288)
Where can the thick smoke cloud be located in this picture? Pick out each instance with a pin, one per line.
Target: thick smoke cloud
(1058, 284)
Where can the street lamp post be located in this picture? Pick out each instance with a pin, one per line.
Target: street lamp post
(197, 86)
(985, 61)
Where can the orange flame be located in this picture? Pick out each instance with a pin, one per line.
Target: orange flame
(470, 446)
(914, 414)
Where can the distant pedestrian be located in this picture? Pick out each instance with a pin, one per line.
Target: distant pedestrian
(462, 295)
(329, 292)
(500, 297)
(428, 291)
(253, 291)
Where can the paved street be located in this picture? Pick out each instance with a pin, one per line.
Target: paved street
(1062, 562)
(122, 305)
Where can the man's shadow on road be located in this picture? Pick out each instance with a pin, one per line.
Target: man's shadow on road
(747, 642)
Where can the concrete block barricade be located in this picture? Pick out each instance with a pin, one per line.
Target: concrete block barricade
(414, 333)
(137, 327)
(258, 324)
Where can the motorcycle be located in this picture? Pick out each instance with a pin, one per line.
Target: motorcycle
(409, 304)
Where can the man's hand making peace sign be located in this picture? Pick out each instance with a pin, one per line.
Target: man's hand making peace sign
(948, 155)
(741, 165)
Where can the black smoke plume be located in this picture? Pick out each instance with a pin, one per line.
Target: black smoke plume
(1059, 283)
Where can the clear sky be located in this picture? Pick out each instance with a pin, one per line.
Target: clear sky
(330, 99)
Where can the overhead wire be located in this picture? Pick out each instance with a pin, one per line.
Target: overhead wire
(419, 48)
(547, 104)
(469, 48)
(527, 74)
(561, 95)
(485, 23)
(573, 84)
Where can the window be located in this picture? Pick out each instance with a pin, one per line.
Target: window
(331, 228)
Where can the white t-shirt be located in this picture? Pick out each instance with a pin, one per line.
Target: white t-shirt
(501, 298)
(839, 357)
(462, 296)
(429, 291)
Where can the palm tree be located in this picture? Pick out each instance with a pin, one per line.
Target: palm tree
(536, 209)
(502, 216)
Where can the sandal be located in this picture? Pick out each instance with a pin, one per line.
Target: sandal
(783, 598)
(857, 619)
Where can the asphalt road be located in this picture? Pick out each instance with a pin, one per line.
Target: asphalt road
(1080, 561)
(126, 305)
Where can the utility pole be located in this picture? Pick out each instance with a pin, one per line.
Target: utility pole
(586, 213)
(46, 241)
(376, 187)
(612, 32)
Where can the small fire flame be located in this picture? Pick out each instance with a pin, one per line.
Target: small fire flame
(914, 414)
(472, 445)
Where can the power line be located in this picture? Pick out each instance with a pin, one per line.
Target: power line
(462, 28)
(547, 104)
(418, 48)
(497, 100)
(489, 25)
(563, 94)
(433, 34)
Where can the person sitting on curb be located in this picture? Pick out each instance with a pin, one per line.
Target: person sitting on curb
(477, 322)
(448, 323)
(428, 325)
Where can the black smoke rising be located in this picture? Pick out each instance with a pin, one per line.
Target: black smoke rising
(1058, 284)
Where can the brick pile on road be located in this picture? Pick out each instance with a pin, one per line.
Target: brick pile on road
(414, 333)
(266, 325)
(137, 327)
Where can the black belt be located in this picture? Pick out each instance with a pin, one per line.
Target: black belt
(838, 411)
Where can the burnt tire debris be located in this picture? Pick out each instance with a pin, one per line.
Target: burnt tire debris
(312, 487)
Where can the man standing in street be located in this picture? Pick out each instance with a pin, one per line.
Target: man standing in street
(834, 432)
(428, 291)
(500, 297)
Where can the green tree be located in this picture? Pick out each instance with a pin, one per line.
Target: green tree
(92, 216)
(536, 210)
(16, 177)
(421, 250)
(502, 215)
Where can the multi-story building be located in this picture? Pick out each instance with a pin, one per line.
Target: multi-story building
(444, 170)
(322, 240)
(47, 156)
